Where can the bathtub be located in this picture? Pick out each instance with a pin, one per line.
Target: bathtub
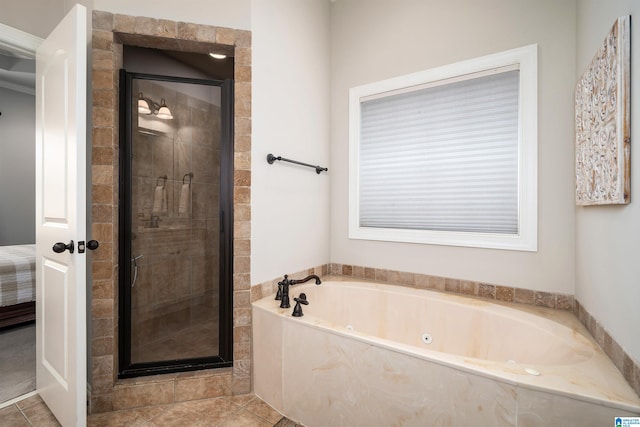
(369, 354)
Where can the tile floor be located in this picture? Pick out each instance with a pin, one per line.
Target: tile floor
(234, 411)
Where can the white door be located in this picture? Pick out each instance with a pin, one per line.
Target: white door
(61, 217)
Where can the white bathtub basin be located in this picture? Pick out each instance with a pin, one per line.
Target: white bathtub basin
(371, 354)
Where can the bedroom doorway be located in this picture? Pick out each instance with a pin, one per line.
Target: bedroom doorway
(17, 214)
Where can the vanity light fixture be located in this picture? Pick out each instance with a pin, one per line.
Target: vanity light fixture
(143, 105)
(217, 55)
(164, 112)
(148, 106)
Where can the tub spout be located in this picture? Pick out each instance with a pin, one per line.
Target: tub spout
(306, 279)
(283, 288)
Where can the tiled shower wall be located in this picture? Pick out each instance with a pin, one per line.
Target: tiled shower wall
(110, 32)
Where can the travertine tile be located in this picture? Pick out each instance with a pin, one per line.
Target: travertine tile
(241, 385)
(242, 351)
(347, 270)
(504, 293)
(11, 416)
(102, 20)
(524, 296)
(102, 402)
(225, 36)
(102, 39)
(564, 302)
(401, 278)
(243, 38)
(243, 56)
(124, 23)
(336, 268)
(545, 299)
(138, 395)
(102, 365)
(202, 387)
(242, 160)
(614, 351)
(128, 417)
(205, 33)
(261, 409)
(486, 291)
(422, 281)
(244, 418)
(241, 316)
(242, 399)
(437, 283)
(468, 287)
(102, 137)
(242, 368)
(39, 415)
(382, 275)
(358, 272)
(242, 334)
(452, 285)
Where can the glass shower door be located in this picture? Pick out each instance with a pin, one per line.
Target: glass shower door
(175, 276)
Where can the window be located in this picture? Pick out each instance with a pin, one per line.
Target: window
(448, 155)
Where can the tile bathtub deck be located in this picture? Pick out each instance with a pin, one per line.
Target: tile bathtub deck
(233, 411)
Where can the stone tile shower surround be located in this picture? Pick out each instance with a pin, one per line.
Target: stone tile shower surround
(629, 367)
(110, 32)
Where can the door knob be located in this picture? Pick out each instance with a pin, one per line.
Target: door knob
(91, 245)
(61, 247)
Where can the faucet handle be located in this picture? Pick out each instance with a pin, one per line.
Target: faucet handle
(280, 288)
(297, 310)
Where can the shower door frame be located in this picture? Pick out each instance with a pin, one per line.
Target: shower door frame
(127, 369)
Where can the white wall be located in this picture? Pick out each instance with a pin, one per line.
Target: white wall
(291, 104)
(608, 237)
(379, 39)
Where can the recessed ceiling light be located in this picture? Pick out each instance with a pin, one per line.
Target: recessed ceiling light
(217, 55)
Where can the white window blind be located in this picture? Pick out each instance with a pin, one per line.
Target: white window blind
(443, 157)
(448, 155)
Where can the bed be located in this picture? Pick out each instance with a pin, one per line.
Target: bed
(17, 284)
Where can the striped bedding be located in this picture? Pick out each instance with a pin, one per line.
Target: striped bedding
(17, 274)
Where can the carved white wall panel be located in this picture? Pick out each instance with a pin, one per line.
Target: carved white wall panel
(603, 122)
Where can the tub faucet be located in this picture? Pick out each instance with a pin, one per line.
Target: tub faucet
(283, 288)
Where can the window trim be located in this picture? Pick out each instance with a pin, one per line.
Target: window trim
(527, 237)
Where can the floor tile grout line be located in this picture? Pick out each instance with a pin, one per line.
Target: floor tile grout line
(23, 414)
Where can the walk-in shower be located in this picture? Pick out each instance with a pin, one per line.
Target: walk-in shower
(176, 210)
